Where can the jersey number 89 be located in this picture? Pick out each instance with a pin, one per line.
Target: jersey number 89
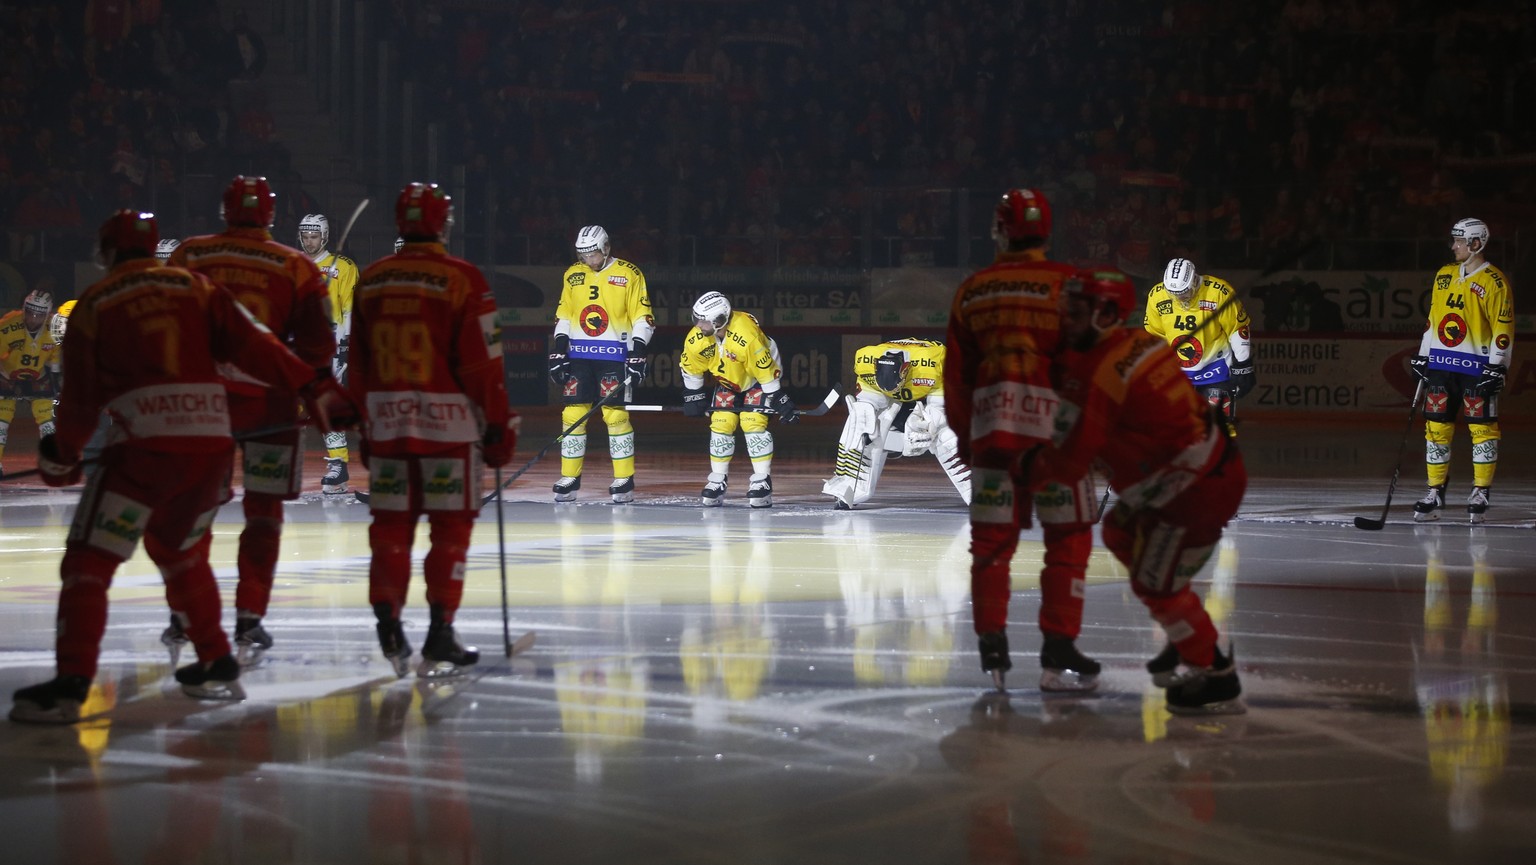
(402, 352)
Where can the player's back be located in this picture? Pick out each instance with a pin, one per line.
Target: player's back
(1008, 314)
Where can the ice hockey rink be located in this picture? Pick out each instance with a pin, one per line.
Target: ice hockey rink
(801, 685)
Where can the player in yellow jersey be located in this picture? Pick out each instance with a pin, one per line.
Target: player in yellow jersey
(899, 409)
(602, 327)
(29, 365)
(1463, 359)
(731, 346)
(340, 275)
(1217, 357)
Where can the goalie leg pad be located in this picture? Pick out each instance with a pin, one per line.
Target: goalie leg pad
(946, 448)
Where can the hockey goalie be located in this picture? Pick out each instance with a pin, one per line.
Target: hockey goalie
(899, 409)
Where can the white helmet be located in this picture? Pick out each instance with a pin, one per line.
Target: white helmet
(399, 244)
(711, 312)
(165, 247)
(1471, 229)
(1180, 278)
(315, 222)
(592, 239)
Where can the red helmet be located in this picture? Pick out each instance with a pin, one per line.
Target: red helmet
(249, 202)
(1022, 214)
(424, 211)
(127, 231)
(1105, 285)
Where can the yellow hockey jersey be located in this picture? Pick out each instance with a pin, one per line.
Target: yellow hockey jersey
(1206, 351)
(1471, 320)
(740, 355)
(24, 356)
(927, 371)
(602, 311)
(340, 275)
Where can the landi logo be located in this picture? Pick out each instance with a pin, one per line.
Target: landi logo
(270, 467)
(443, 483)
(128, 525)
(389, 482)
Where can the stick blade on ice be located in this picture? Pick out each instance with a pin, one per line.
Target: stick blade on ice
(1369, 525)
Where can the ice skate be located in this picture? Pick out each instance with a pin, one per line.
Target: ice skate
(1428, 508)
(566, 488)
(1214, 690)
(993, 647)
(174, 638)
(622, 490)
(713, 494)
(56, 701)
(397, 650)
(251, 640)
(335, 480)
(1477, 505)
(760, 492)
(218, 680)
(442, 655)
(1064, 668)
(1165, 667)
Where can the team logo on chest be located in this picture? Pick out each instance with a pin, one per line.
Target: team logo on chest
(1190, 352)
(1452, 330)
(594, 320)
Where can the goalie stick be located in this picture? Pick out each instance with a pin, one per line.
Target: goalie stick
(1397, 468)
(821, 408)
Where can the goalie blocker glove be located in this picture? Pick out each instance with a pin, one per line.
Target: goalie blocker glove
(1492, 379)
(1243, 378)
(782, 405)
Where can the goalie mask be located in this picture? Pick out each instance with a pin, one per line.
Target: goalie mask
(314, 234)
(60, 320)
(893, 371)
(711, 312)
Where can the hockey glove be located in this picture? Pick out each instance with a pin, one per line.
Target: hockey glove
(1419, 366)
(57, 471)
(695, 402)
(918, 433)
(1243, 378)
(499, 443)
(780, 403)
(559, 366)
(636, 365)
(328, 404)
(1492, 379)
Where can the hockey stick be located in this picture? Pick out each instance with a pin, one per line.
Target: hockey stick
(1397, 468)
(817, 410)
(347, 232)
(501, 557)
(502, 485)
